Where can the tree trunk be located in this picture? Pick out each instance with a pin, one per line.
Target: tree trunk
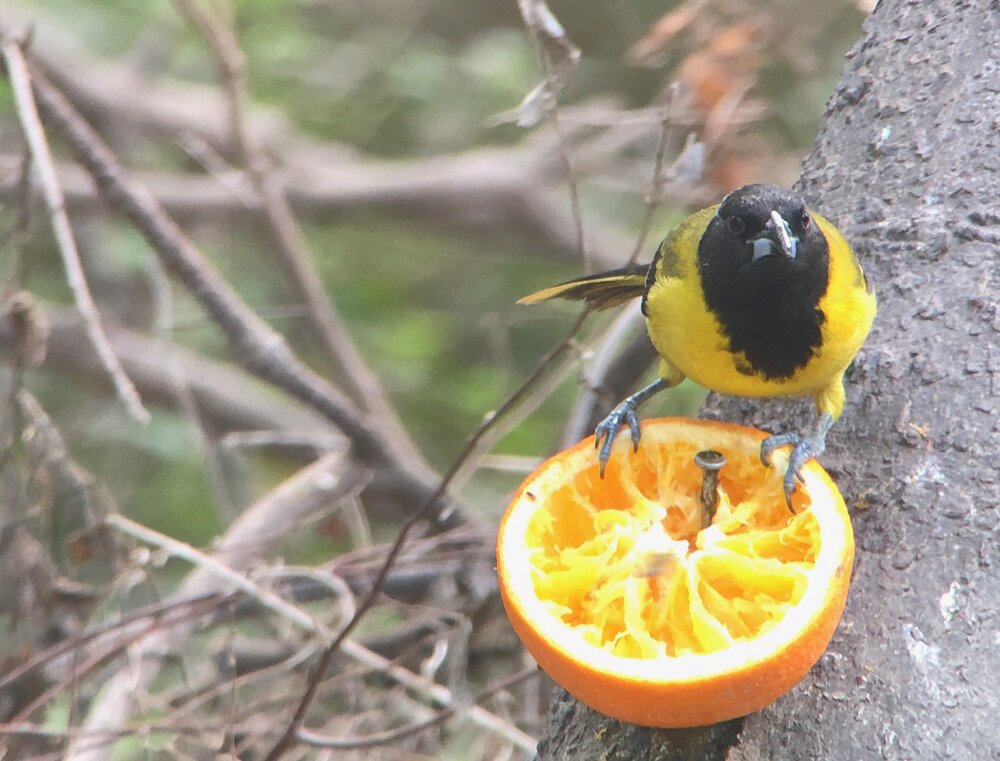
(908, 165)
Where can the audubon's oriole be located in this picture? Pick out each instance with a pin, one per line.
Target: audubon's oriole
(756, 296)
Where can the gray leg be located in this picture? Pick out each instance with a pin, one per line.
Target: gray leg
(804, 449)
(624, 413)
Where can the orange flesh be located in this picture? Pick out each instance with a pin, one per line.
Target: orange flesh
(624, 560)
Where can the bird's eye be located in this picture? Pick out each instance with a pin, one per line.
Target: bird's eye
(804, 219)
(736, 225)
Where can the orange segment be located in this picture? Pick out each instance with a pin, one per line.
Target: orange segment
(630, 604)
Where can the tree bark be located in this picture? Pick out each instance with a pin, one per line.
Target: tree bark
(908, 165)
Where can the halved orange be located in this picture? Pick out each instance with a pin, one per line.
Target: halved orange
(625, 600)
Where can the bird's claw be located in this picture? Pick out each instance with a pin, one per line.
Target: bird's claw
(607, 429)
(768, 445)
(804, 449)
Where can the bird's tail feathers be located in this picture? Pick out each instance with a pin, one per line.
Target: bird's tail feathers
(601, 291)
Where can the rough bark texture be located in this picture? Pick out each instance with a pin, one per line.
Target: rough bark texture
(908, 165)
(573, 731)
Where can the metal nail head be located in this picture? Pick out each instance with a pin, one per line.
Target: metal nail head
(710, 462)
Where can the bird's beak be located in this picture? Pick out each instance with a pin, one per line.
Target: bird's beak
(776, 238)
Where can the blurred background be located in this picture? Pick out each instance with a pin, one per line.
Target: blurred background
(431, 183)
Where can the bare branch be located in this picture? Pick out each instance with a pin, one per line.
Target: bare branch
(254, 343)
(226, 397)
(311, 489)
(514, 415)
(557, 55)
(489, 188)
(34, 135)
(292, 250)
(601, 385)
(686, 168)
(320, 740)
(541, 372)
(213, 567)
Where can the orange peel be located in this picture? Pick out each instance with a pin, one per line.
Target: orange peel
(626, 600)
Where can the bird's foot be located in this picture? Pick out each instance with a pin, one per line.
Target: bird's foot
(604, 434)
(607, 429)
(804, 449)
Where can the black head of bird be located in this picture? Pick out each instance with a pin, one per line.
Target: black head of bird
(766, 231)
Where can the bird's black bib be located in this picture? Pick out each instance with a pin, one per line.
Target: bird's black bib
(767, 308)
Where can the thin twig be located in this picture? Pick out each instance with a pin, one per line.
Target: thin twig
(514, 416)
(254, 343)
(106, 652)
(316, 442)
(656, 185)
(288, 737)
(532, 13)
(320, 740)
(572, 182)
(302, 619)
(220, 570)
(428, 557)
(216, 166)
(605, 359)
(292, 250)
(164, 312)
(34, 135)
(161, 609)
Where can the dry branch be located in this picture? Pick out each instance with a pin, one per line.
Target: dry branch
(294, 501)
(544, 369)
(291, 249)
(623, 354)
(34, 135)
(505, 189)
(557, 55)
(313, 489)
(227, 398)
(253, 343)
(490, 188)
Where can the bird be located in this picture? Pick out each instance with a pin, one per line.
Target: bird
(756, 296)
